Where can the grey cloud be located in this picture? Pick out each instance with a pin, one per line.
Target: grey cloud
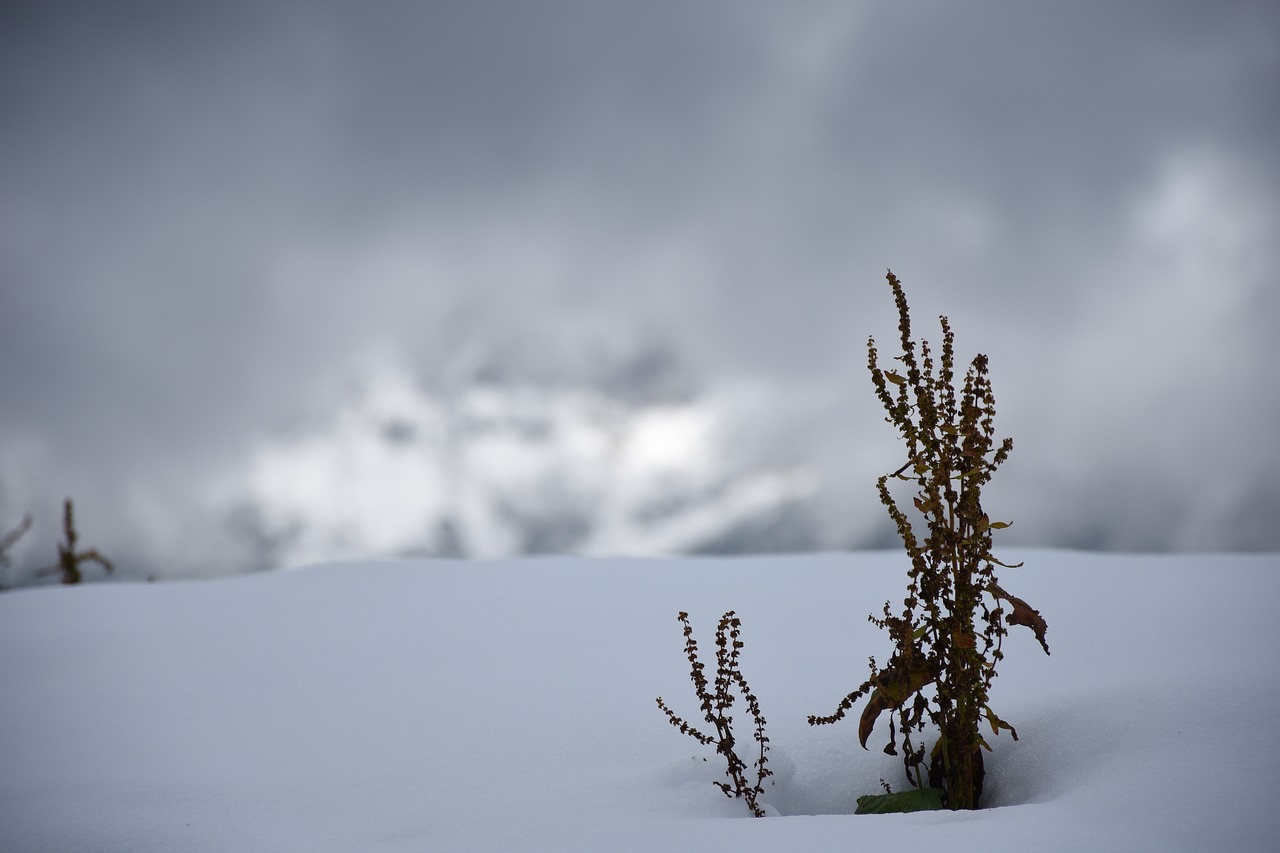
(210, 213)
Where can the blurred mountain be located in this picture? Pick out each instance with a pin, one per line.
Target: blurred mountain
(498, 457)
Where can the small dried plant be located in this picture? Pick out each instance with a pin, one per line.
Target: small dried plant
(69, 559)
(948, 634)
(7, 541)
(715, 704)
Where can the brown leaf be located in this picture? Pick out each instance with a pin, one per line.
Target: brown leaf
(1023, 614)
(893, 687)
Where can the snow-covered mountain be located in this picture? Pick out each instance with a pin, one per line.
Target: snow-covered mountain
(494, 462)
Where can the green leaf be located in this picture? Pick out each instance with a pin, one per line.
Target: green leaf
(913, 800)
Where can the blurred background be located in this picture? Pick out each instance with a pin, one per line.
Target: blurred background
(296, 281)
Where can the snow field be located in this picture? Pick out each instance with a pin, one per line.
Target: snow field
(509, 705)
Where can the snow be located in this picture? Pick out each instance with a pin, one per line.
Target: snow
(509, 705)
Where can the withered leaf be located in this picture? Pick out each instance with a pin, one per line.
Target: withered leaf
(1023, 614)
(893, 687)
(997, 724)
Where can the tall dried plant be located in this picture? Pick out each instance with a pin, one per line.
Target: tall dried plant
(947, 637)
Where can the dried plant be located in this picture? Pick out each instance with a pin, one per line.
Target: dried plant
(948, 634)
(8, 540)
(715, 704)
(69, 559)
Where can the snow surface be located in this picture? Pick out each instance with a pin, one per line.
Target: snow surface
(509, 705)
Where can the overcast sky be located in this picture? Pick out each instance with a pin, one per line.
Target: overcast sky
(212, 215)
